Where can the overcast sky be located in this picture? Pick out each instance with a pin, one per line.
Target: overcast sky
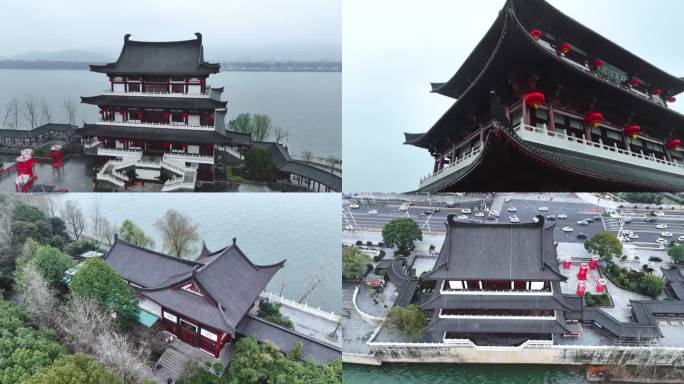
(393, 49)
(292, 29)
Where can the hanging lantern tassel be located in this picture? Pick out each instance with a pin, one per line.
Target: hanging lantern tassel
(593, 119)
(534, 99)
(632, 131)
(673, 144)
(565, 47)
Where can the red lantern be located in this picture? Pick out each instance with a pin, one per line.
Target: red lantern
(565, 47)
(534, 99)
(673, 144)
(635, 82)
(671, 99)
(598, 63)
(536, 34)
(593, 119)
(632, 131)
(657, 92)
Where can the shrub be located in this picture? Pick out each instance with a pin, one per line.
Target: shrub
(359, 242)
(369, 243)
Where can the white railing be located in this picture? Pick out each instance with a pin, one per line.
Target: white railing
(189, 157)
(177, 183)
(591, 148)
(459, 164)
(174, 168)
(318, 312)
(121, 153)
(496, 317)
(157, 94)
(92, 144)
(374, 320)
(169, 125)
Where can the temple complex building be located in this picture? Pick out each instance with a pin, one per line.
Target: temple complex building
(543, 103)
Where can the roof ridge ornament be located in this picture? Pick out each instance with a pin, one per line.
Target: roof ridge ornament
(127, 37)
(199, 37)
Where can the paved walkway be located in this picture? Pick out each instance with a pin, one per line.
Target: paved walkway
(312, 326)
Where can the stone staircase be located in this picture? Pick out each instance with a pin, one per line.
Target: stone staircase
(347, 304)
(172, 363)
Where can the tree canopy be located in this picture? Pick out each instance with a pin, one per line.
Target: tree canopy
(74, 369)
(97, 280)
(134, 234)
(605, 244)
(259, 126)
(354, 263)
(676, 252)
(51, 263)
(81, 246)
(179, 233)
(651, 285)
(259, 164)
(401, 233)
(409, 321)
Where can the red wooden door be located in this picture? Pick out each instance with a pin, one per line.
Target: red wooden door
(188, 333)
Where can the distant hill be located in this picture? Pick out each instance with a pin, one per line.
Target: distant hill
(71, 55)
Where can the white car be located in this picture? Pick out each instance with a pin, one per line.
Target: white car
(494, 213)
(627, 231)
(462, 217)
(681, 238)
(512, 209)
(507, 199)
(661, 226)
(403, 207)
(567, 229)
(582, 222)
(466, 210)
(666, 234)
(535, 219)
(543, 209)
(633, 236)
(354, 206)
(626, 219)
(450, 204)
(659, 213)
(562, 216)
(373, 212)
(513, 219)
(479, 214)
(661, 240)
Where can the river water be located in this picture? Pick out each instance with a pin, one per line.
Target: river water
(306, 104)
(461, 374)
(304, 229)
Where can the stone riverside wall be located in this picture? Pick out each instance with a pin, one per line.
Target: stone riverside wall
(527, 354)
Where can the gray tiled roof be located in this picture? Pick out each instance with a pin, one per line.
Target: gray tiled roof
(160, 58)
(675, 281)
(555, 301)
(186, 135)
(494, 325)
(285, 339)
(28, 133)
(474, 251)
(191, 305)
(145, 267)
(154, 102)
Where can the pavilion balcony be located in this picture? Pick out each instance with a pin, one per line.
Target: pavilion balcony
(188, 158)
(457, 165)
(503, 292)
(565, 142)
(164, 90)
(120, 153)
(498, 315)
(169, 125)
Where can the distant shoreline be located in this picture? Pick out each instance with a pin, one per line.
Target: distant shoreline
(234, 66)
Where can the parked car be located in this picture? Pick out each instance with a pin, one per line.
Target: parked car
(535, 219)
(462, 217)
(494, 213)
(655, 258)
(479, 214)
(512, 209)
(513, 219)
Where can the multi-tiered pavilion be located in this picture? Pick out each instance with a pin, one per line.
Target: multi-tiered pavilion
(159, 104)
(545, 103)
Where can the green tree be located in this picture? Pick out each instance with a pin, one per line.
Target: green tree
(25, 212)
(271, 312)
(134, 234)
(261, 127)
(74, 369)
(24, 350)
(259, 164)
(409, 321)
(241, 123)
(676, 252)
(180, 233)
(605, 244)
(81, 246)
(354, 263)
(52, 264)
(97, 280)
(401, 233)
(651, 285)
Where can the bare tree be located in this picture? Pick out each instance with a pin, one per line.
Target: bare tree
(38, 299)
(31, 112)
(107, 232)
(280, 134)
(74, 219)
(261, 127)
(179, 233)
(307, 156)
(316, 280)
(96, 218)
(11, 119)
(45, 112)
(70, 110)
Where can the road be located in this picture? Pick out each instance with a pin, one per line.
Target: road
(526, 209)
